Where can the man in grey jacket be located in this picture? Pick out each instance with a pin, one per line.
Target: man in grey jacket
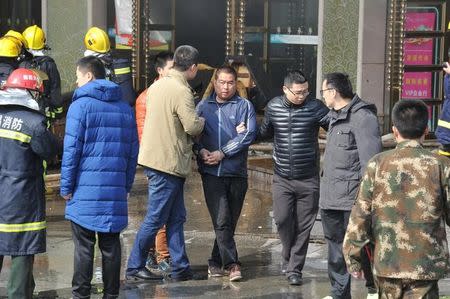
(353, 138)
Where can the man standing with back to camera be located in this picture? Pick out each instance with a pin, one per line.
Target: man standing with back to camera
(402, 208)
(25, 142)
(97, 173)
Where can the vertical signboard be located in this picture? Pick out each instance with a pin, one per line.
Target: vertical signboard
(418, 51)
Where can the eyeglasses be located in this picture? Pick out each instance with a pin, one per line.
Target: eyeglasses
(303, 93)
(230, 83)
(322, 90)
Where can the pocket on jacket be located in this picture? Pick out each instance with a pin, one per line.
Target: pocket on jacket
(347, 189)
(345, 138)
(341, 188)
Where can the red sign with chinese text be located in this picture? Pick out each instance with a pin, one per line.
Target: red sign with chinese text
(418, 51)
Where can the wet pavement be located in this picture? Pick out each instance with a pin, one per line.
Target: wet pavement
(256, 238)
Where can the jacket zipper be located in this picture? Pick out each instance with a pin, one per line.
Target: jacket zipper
(220, 137)
(290, 143)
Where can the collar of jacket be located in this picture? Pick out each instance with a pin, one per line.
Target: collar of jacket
(173, 73)
(16, 96)
(409, 143)
(288, 104)
(343, 113)
(212, 98)
(100, 89)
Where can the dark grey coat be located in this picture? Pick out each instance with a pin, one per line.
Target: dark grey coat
(353, 138)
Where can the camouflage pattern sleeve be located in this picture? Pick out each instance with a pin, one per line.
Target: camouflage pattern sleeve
(359, 231)
(446, 192)
(401, 208)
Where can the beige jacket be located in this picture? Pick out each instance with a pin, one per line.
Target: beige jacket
(170, 123)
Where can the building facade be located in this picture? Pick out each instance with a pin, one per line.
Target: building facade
(392, 49)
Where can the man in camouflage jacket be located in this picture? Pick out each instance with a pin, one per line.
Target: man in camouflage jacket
(402, 207)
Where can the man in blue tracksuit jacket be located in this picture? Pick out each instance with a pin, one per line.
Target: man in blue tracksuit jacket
(443, 128)
(222, 163)
(98, 168)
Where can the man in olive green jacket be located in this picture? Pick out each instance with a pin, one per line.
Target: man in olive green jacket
(166, 153)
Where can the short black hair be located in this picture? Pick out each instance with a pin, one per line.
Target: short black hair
(341, 83)
(92, 64)
(410, 117)
(162, 58)
(294, 77)
(185, 56)
(226, 69)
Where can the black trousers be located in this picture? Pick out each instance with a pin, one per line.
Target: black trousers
(224, 198)
(295, 207)
(334, 224)
(21, 281)
(109, 244)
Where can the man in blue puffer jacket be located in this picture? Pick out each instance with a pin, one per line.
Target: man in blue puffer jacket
(443, 128)
(98, 168)
(222, 162)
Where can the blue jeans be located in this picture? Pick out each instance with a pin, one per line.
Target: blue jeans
(165, 206)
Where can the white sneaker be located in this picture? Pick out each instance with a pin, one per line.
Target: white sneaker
(327, 297)
(372, 296)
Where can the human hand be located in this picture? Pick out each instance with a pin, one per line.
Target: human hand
(67, 197)
(214, 158)
(358, 274)
(202, 121)
(241, 128)
(204, 154)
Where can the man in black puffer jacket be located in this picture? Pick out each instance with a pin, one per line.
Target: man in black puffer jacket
(294, 120)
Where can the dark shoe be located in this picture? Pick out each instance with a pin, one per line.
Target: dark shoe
(214, 271)
(143, 274)
(294, 279)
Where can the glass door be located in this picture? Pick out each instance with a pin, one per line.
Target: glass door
(19, 14)
(283, 34)
(139, 29)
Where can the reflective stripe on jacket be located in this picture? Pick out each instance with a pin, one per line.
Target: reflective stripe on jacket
(24, 142)
(443, 128)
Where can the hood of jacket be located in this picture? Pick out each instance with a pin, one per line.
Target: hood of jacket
(18, 96)
(100, 89)
(355, 104)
